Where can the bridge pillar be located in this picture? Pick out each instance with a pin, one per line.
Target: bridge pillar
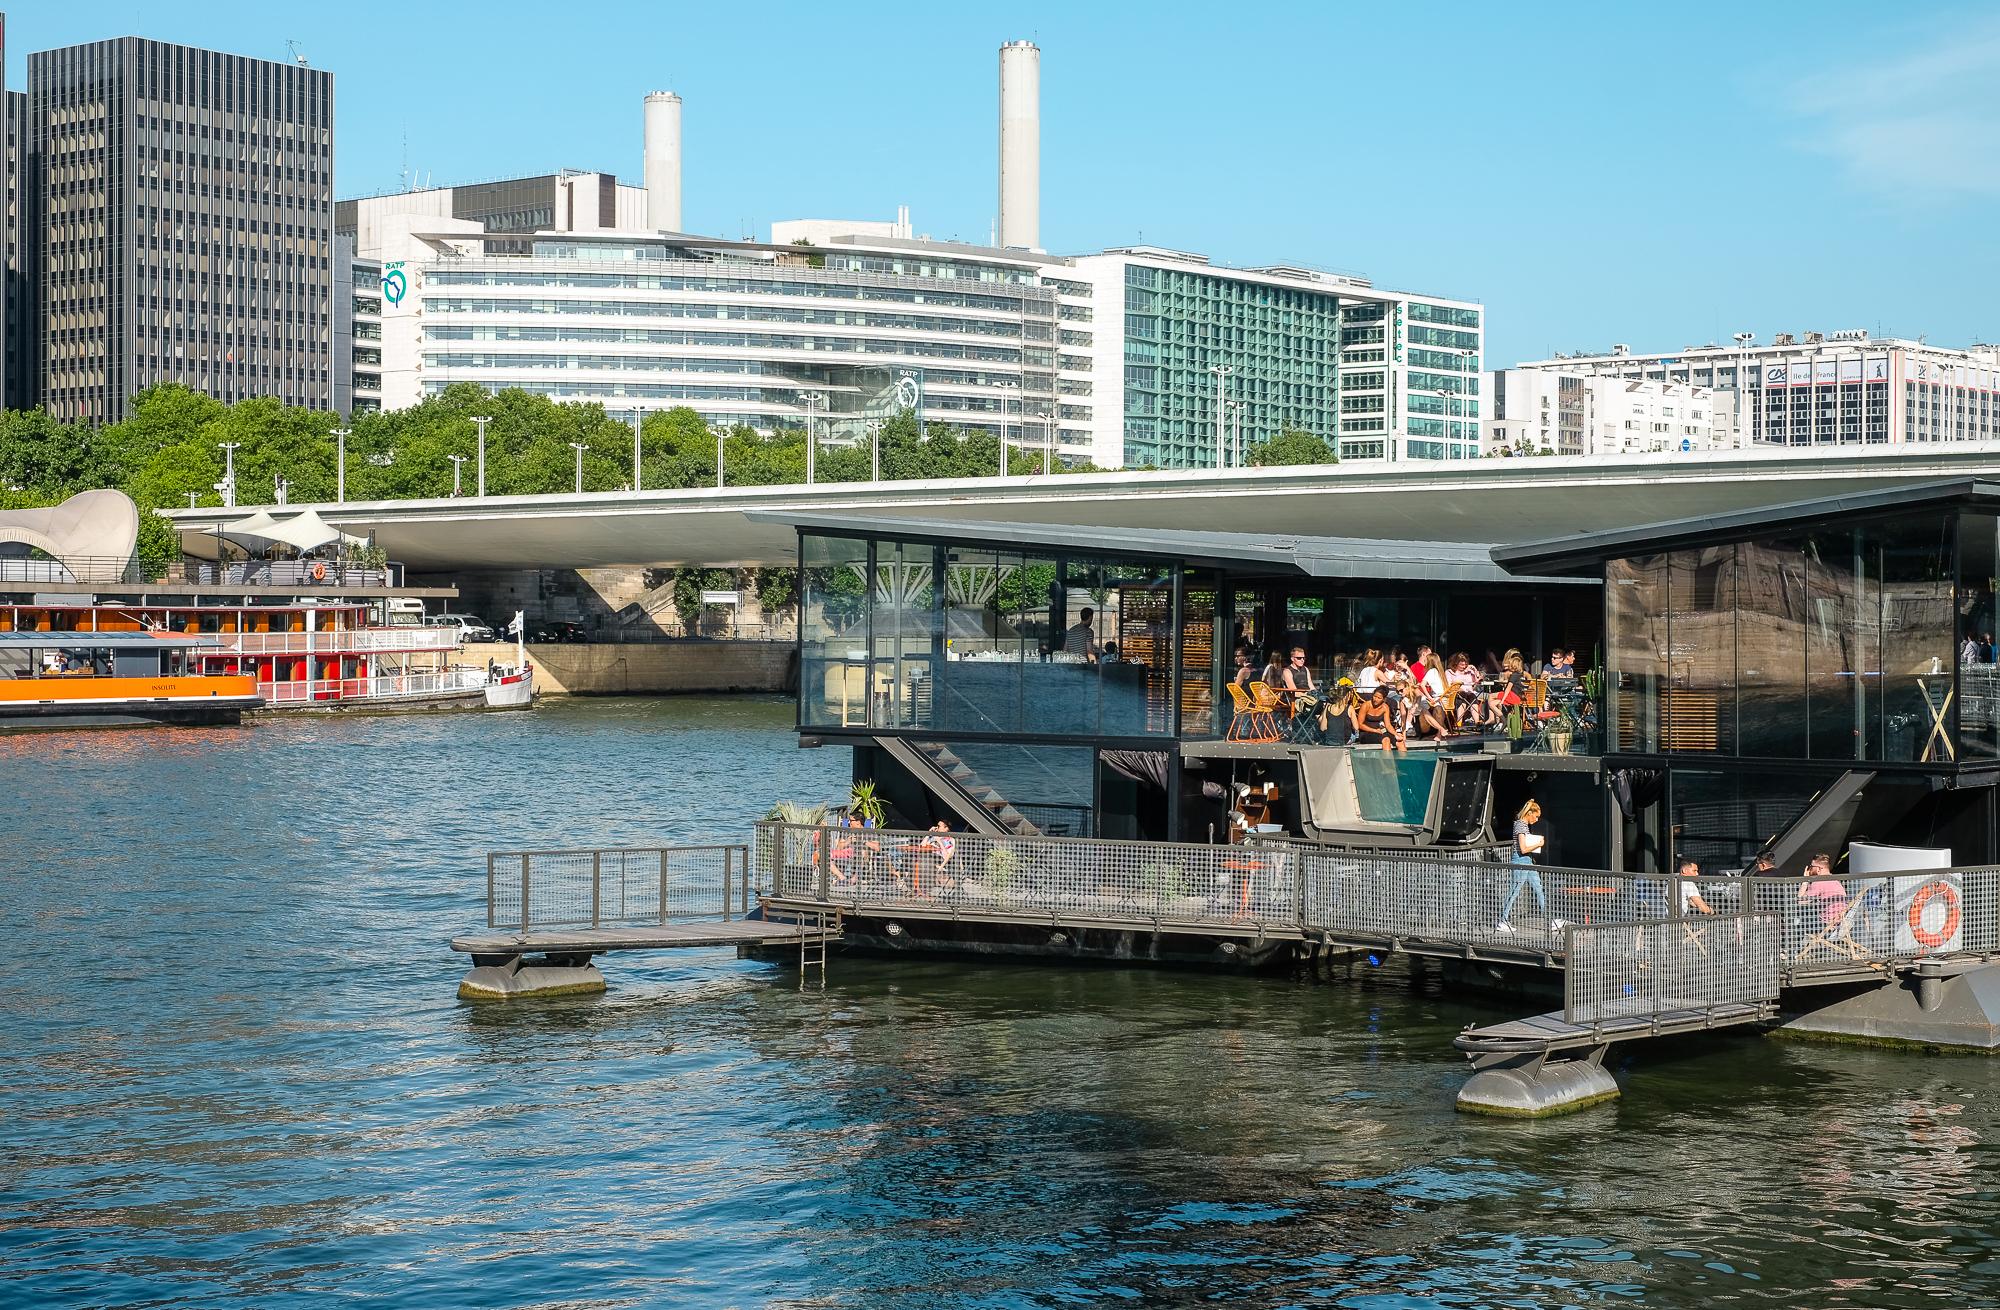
(1944, 1003)
(509, 977)
(1534, 1086)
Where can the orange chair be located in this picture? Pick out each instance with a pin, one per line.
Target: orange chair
(1252, 721)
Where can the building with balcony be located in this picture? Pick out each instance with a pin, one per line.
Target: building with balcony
(1824, 389)
(1537, 410)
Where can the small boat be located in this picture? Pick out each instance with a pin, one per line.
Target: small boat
(512, 687)
(69, 679)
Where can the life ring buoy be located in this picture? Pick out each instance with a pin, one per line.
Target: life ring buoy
(1951, 916)
(319, 572)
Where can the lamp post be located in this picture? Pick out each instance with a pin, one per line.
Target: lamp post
(811, 400)
(721, 434)
(1048, 441)
(875, 451)
(1221, 371)
(579, 448)
(191, 499)
(638, 426)
(340, 465)
(457, 467)
(480, 422)
(229, 449)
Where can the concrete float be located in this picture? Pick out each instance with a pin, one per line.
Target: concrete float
(1940, 1004)
(1536, 1087)
(516, 976)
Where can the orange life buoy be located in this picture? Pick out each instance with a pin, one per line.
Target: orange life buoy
(1951, 916)
(319, 572)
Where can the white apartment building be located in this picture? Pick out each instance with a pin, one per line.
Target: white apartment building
(1821, 389)
(1575, 414)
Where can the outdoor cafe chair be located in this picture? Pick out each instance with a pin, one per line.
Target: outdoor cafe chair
(1252, 721)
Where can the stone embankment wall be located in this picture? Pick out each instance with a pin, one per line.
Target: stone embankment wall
(627, 668)
(609, 603)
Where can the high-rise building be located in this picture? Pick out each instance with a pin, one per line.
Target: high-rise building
(1824, 389)
(17, 246)
(186, 225)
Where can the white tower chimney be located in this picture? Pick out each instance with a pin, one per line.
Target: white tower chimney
(663, 161)
(1021, 144)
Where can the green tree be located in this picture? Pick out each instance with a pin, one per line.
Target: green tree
(1292, 446)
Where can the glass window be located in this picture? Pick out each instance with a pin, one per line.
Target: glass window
(1843, 644)
(833, 632)
(1635, 649)
(980, 681)
(1978, 685)
(906, 627)
(1700, 709)
(1771, 620)
(1917, 639)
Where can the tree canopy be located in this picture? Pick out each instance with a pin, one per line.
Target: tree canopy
(1292, 446)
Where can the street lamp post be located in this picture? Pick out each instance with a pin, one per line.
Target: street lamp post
(1221, 371)
(340, 465)
(457, 467)
(721, 434)
(229, 449)
(638, 426)
(875, 451)
(1048, 441)
(480, 422)
(579, 448)
(811, 400)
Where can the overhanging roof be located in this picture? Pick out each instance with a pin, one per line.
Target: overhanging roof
(1317, 557)
(1583, 553)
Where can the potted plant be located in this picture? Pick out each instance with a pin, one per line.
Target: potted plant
(864, 804)
(1561, 731)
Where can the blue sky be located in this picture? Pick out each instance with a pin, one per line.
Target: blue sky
(1659, 176)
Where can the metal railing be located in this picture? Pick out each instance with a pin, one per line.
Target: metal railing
(338, 641)
(382, 687)
(626, 886)
(1663, 966)
(199, 573)
(1376, 897)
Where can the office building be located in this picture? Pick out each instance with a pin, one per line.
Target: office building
(572, 200)
(18, 383)
(1825, 389)
(186, 225)
(1537, 411)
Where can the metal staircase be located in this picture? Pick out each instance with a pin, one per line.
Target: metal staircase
(955, 782)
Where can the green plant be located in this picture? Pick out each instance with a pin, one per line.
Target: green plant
(863, 802)
(794, 812)
(1001, 866)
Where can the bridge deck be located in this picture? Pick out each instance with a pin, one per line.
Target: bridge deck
(649, 937)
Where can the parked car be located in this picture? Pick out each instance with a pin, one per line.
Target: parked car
(572, 633)
(469, 628)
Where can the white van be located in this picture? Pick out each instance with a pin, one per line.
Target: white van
(404, 612)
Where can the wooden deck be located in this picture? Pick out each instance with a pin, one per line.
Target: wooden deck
(648, 937)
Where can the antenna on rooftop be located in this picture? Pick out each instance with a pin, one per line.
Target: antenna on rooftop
(298, 54)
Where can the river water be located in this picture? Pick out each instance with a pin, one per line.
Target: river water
(236, 1075)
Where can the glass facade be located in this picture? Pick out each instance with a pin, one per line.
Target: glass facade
(976, 642)
(1837, 643)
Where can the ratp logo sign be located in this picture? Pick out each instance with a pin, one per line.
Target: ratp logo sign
(395, 283)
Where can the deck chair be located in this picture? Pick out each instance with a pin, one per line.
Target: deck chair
(1250, 722)
(1836, 933)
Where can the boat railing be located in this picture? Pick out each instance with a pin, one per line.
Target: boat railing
(1837, 926)
(301, 573)
(614, 887)
(338, 641)
(383, 686)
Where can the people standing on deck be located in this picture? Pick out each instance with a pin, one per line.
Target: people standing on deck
(1080, 639)
(1528, 846)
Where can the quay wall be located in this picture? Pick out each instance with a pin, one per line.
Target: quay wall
(666, 667)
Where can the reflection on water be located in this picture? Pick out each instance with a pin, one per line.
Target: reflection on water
(237, 1076)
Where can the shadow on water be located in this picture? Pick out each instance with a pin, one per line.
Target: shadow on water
(238, 1076)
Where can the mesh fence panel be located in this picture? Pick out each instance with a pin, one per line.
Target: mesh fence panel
(1628, 971)
(608, 888)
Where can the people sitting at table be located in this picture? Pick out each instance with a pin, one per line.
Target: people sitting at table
(1467, 703)
(1512, 691)
(1246, 668)
(1374, 722)
(1690, 890)
(1423, 714)
(1560, 666)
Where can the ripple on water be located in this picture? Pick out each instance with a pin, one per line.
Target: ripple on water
(247, 1082)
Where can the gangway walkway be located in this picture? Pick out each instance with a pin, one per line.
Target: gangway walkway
(549, 913)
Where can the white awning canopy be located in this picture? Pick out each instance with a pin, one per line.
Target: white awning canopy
(253, 533)
(308, 531)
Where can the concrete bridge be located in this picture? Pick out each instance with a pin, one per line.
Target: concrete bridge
(1488, 501)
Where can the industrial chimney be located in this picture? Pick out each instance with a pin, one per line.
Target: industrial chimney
(1021, 144)
(663, 161)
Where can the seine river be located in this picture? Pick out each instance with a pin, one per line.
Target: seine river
(235, 1074)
